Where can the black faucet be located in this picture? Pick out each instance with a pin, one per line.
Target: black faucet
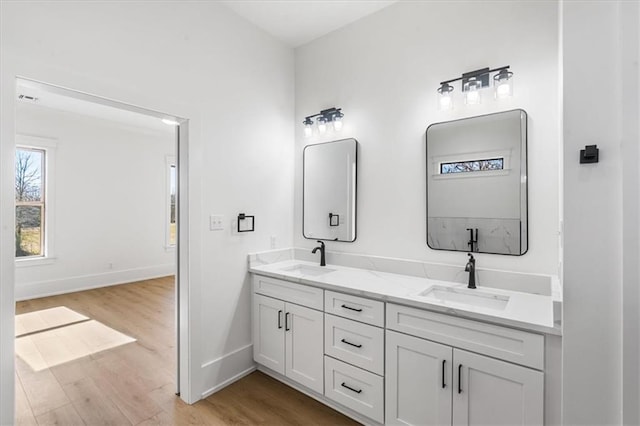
(473, 241)
(321, 248)
(471, 269)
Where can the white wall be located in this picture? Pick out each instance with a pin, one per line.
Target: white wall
(191, 59)
(384, 69)
(600, 343)
(109, 206)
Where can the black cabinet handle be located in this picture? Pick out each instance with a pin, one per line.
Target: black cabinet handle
(349, 343)
(459, 378)
(344, 385)
(286, 322)
(280, 319)
(444, 385)
(352, 309)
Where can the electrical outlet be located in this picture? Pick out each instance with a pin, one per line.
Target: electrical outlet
(216, 222)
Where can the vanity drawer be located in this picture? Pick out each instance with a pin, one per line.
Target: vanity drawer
(354, 388)
(359, 344)
(354, 307)
(299, 294)
(516, 346)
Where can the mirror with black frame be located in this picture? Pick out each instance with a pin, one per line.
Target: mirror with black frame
(477, 184)
(329, 191)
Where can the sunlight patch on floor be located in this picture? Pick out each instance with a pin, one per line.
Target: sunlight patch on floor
(60, 345)
(46, 319)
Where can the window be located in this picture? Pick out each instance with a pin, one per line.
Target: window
(472, 166)
(30, 194)
(172, 191)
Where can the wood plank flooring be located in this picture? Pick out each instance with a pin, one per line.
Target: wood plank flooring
(134, 384)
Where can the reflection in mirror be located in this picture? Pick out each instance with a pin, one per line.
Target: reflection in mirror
(477, 184)
(329, 191)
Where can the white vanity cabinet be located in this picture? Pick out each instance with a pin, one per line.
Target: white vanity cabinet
(431, 383)
(288, 337)
(385, 363)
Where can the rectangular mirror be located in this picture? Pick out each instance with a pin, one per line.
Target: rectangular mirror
(329, 191)
(477, 184)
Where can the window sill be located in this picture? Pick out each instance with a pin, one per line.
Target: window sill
(39, 261)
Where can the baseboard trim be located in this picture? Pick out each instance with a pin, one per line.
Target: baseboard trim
(223, 371)
(35, 290)
(227, 382)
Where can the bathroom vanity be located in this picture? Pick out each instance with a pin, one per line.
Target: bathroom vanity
(387, 348)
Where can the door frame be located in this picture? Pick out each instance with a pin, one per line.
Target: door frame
(186, 386)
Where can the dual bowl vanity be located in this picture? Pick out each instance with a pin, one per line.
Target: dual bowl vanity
(387, 348)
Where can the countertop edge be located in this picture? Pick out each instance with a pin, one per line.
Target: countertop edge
(459, 313)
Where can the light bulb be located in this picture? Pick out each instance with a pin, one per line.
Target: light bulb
(472, 97)
(471, 91)
(308, 130)
(503, 91)
(503, 84)
(322, 125)
(337, 121)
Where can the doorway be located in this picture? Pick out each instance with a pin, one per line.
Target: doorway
(40, 222)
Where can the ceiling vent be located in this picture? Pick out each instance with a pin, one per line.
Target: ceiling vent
(27, 98)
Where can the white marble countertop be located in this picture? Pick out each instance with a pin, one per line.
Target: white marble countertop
(525, 311)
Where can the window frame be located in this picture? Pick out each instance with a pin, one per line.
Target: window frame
(48, 146)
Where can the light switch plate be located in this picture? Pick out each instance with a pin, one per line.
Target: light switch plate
(216, 222)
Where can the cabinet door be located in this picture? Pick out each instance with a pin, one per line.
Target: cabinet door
(268, 332)
(492, 392)
(418, 381)
(305, 346)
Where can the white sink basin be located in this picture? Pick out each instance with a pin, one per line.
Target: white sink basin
(466, 296)
(308, 270)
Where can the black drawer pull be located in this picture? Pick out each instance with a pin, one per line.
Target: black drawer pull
(352, 309)
(460, 378)
(444, 385)
(280, 319)
(344, 385)
(286, 322)
(349, 343)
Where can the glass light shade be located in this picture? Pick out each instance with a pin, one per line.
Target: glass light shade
(445, 98)
(445, 101)
(322, 125)
(337, 123)
(471, 89)
(308, 130)
(503, 84)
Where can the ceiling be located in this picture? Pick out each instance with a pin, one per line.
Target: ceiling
(297, 22)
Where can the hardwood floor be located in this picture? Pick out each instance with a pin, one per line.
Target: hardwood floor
(133, 383)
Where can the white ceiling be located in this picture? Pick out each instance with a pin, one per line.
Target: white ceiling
(297, 22)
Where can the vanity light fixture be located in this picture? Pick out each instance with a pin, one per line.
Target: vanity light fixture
(323, 118)
(471, 84)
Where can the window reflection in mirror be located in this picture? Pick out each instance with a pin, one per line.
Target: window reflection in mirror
(477, 184)
(329, 191)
